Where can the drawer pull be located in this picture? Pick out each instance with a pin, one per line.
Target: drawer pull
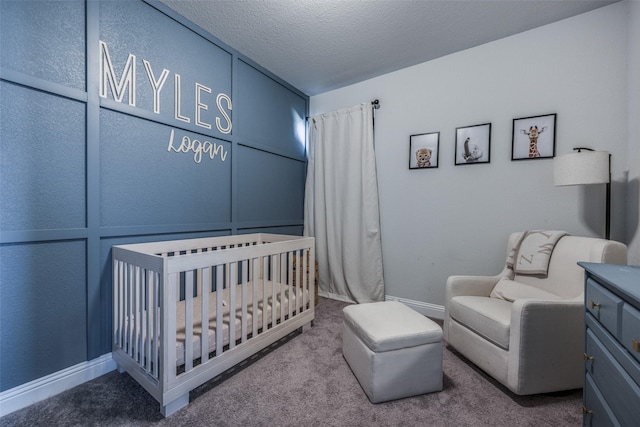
(635, 345)
(587, 357)
(593, 305)
(586, 411)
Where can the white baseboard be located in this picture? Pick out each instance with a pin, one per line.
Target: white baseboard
(45, 387)
(424, 308)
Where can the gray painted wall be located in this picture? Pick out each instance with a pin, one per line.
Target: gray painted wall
(456, 219)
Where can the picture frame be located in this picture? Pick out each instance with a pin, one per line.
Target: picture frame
(424, 150)
(534, 137)
(473, 144)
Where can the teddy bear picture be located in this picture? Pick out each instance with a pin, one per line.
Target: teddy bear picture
(423, 157)
(423, 150)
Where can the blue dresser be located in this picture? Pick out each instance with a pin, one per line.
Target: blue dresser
(612, 345)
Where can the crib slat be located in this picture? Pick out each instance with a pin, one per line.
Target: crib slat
(137, 314)
(125, 308)
(232, 286)
(123, 303)
(149, 319)
(299, 275)
(305, 278)
(219, 309)
(265, 295)
(277, 296)
(290, 283)
(142, 335)
(281, 272)
(274, 296)
(117, 301)
(244, 278)
(142, 319)
(205, 289)
(169, 302)
(188, 321)
(116, 307)
(312, 276)
(130, 310)
(156, 324)
(141, 314)
(254, 300)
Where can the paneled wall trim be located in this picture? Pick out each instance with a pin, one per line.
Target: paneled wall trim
(122, 122)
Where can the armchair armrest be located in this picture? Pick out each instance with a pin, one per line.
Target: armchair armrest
(546, 345)
(473, 285)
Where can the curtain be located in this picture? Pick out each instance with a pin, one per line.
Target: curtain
(341, 205)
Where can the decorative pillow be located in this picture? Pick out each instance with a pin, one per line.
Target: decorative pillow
(534, 253)
(510, 290)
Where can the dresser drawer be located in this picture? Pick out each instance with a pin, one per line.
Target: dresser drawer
(604, 306)
(597, 412)
(630, 337)
(621, 393)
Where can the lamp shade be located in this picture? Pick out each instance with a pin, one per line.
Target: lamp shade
(584, 167)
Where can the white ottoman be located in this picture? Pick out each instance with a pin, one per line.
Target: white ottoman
(393, 351)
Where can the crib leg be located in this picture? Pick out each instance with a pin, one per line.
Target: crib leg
(306, 327)
(175, 405)
(120, 369)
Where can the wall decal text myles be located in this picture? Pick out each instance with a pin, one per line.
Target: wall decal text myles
(126, 84)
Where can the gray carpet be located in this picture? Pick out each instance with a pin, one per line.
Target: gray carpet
(304, 380)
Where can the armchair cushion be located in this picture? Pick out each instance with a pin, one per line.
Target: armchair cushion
(487, 317)
(510, 290)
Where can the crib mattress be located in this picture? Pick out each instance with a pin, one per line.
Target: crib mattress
(285, 296)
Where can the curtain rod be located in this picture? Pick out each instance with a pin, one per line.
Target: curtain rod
(375, 104)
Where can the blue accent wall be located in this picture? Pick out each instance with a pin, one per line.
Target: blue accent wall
(189, 139)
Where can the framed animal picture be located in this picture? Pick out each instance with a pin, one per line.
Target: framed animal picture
(534, 137)
(473, 144)
(423, 150)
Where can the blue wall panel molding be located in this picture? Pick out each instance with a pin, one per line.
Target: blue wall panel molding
(122, 122)
(158, 186)
(260, 175)
(43, 313)
(42, 161)
(45, 40)
(268, 114)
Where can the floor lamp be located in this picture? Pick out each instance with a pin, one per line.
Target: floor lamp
(584, 168)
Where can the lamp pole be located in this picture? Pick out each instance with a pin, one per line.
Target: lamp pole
(607, 232)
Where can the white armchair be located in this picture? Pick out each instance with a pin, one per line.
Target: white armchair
(527, 331)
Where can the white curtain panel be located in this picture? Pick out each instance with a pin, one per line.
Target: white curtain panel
(341, 205)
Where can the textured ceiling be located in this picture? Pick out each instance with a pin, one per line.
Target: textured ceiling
(320, 45)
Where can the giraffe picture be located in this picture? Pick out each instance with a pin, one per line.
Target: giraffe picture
(534, 137)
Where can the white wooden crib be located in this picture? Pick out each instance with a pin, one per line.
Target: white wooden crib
(163, 290)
